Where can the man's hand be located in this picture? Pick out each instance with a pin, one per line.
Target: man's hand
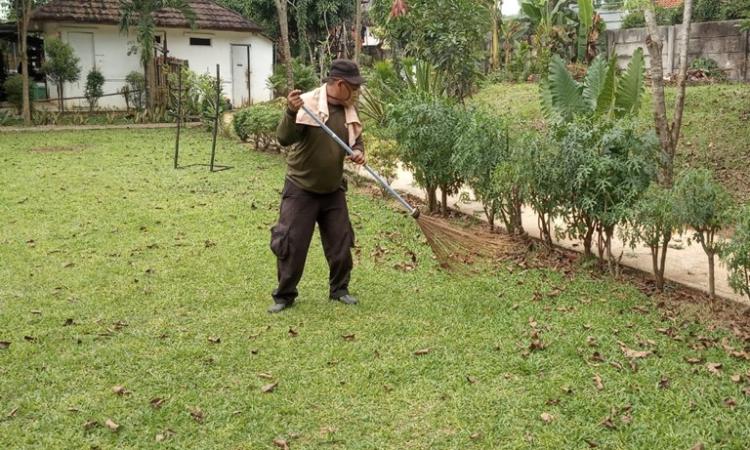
(357, 157)
(294, 101)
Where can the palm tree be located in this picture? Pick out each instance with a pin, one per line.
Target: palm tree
(140, 14)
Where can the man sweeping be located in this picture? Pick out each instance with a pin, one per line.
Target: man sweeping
(314, 189)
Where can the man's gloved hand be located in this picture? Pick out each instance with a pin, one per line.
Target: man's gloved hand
(294, 101)
(357, 158)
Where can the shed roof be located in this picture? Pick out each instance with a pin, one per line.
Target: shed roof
(208, 15)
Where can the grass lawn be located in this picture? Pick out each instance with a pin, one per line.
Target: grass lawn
(716, 125)
(119, 271)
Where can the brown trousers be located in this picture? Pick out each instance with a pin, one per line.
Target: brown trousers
(291, 236)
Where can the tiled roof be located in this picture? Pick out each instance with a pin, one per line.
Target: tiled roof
(669, 3)
(208, 15)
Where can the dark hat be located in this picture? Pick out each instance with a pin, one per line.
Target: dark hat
(346, 70)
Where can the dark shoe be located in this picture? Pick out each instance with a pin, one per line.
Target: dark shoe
(278, 307)
(346, 299)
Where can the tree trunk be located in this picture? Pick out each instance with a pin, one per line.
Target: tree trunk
(284, 26)
(60, 96)
(669, 134)
(23, 31)
(357, 29)
(588, 241)
(711, 276)
(444, 198)
(496, 15)
(432, 199)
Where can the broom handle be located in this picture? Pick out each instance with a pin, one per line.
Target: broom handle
(412, 211)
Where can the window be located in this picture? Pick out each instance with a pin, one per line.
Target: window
(157, 39)
(205, 42)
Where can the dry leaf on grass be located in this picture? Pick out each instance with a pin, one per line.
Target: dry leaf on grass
(349, 337)
(736, 378)
(591, 341)
(112, 425)
(470, 379)
(664, 383)
(197, 414)
(422, 352)
(90, 424)
(714, 368)
(608, 423)
(547, 417)
(694, 360)
(4, 345)
(730, 402)
(265, 376)
(156, 402)
(475, 436)
(281, 443)
(214, 339)
(293, 333)
(267, 389)
(120, 390)
(699, 446)
(598, 382)
(634, 354)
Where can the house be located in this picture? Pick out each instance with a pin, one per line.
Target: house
(220, 36)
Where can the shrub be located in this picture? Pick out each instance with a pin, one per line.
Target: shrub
(94, 84)
(425, 129)
(135, 90)
(258, 124)
(191, 94)
(542, 181)
(704, 205)
(382, 155)
(13, 88)
(709, 67)
(305, 78)
(607, 165)
(482, 157)
(209, 106)
(61, 65)
(652, 221)
(736, 254)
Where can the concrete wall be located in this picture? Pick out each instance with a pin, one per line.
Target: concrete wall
(721, 41)
(111, 48)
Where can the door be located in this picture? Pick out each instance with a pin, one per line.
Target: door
(83, 46)
(240, 75)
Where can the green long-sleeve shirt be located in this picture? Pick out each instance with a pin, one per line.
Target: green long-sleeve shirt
(315, 162)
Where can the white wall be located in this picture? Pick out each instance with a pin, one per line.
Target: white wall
(111, 54)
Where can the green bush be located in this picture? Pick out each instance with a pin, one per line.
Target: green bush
(652, 221)
(542, 181)
(709, 67)
(482, 156)
(425, 129)
(135, 90)
(13, 88)
(704, 205)
(607, 166)
(61, 65)
(258, 124)
(94, 85)
(305, 78)
(736, 254)
(382, 155)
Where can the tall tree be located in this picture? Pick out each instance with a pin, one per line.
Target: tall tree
(668, 132)
(357, 29)
(284, 26)
(496, 16)
(140, 15)
(22, 10)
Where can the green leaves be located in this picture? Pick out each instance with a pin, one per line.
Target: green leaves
(602, 91)
(566, 93)
(736, 254)
(630, 86)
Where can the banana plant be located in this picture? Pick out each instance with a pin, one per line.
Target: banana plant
(601, 93)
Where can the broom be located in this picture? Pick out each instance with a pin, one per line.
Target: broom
(448, 243)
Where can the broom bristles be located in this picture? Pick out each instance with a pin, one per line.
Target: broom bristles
(452, 245)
